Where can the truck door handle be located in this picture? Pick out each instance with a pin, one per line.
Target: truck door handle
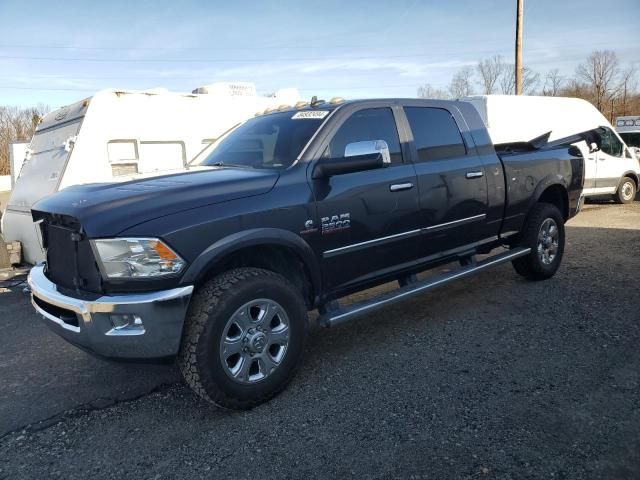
(474, 174)
(397, 187)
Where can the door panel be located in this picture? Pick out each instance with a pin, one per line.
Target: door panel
(610, 163)
(590, 170)
(368, 220)
(452, 182)
(366, 227)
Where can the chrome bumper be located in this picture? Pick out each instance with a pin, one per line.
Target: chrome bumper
(88, 323)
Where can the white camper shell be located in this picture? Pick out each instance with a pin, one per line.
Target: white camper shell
(511, 118)
(117, 135)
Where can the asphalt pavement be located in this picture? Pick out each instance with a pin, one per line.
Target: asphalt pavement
(491, 377)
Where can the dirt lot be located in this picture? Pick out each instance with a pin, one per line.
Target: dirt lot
(493, 377)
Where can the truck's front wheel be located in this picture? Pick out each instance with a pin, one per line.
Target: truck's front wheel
(543, 233)
(244, 337)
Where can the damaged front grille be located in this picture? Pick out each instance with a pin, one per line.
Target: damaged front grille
(70, 260)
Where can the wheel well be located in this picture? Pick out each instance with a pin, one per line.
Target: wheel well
(633, 177)
(276, 258)
(556, 195)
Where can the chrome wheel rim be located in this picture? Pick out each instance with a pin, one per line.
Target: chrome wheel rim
(254, 341)
(627, 190)
(548, 240)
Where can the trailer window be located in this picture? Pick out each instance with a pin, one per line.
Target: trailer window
(123, 157)
(435, 133)
(122, 151)
(161, 155)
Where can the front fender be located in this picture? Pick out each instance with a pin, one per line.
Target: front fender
(254, 237)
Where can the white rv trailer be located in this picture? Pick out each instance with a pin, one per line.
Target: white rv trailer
(17, 152)
(117, 135)
(612, 170)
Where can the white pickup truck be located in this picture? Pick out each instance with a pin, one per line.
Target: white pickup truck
(611, 170)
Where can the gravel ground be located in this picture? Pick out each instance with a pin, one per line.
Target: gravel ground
(492, 377)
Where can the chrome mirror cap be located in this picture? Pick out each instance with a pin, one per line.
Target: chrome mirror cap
(369, 147)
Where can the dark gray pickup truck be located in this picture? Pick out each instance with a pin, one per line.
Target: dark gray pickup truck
(292, 210)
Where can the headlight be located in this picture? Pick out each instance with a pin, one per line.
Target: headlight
(137, 258)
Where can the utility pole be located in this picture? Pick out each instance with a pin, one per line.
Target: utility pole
(519, 47)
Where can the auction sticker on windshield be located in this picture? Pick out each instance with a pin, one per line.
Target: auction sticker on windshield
(314, 114)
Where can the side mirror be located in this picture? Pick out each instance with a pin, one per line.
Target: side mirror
(358, 157)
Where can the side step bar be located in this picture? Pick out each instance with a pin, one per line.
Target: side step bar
(334, 314)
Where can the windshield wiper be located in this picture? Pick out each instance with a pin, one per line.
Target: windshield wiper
(224, 164)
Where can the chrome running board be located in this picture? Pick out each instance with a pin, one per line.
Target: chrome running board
(336, 315)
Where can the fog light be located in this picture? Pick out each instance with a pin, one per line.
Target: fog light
(125, 324)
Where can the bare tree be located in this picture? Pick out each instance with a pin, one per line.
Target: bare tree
(428, 91)
(490, 70)
(462, 83)
(530, 80)
(16, 124)
(628, 84)
(553, 82)
(599, 73)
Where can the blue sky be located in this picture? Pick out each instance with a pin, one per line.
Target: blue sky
(56, 52)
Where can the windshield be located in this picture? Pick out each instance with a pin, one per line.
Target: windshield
(270, 141)
(632, 139)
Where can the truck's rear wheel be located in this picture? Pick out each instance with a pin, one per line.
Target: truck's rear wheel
(544, 234)
(626, 191)
(244, 337)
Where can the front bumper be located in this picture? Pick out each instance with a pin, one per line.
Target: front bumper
(87, 323)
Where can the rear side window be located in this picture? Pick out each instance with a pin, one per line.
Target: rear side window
(435, 133)
(368, 124)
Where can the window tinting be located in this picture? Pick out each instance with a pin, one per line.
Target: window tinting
(435, 133)
(611, 144)
(368, 124)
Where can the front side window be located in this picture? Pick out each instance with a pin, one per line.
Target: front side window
(368, 124)
(435, 133)
(610, 144)
(270, 141)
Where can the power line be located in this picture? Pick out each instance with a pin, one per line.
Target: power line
(201, 60)
(326, 87)
(225, 48)
(389, 56)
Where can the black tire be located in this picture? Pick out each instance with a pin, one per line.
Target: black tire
(626, 192)
(534, 266)
(212, 307)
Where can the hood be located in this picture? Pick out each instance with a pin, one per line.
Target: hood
(106, 209)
